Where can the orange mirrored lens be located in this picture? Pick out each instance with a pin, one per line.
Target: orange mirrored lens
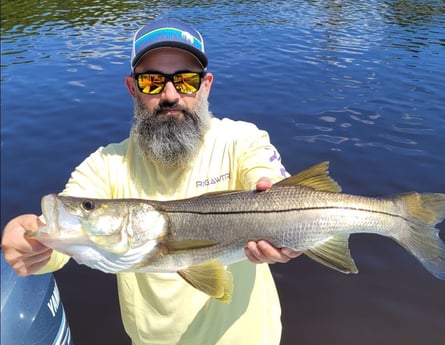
(154, 83)
(187, 82)
(151, 83)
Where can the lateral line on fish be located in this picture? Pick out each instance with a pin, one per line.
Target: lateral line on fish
(290, 210)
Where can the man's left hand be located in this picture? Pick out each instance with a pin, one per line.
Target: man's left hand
(262, 251)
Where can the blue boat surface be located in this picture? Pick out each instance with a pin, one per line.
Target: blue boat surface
(31, 310)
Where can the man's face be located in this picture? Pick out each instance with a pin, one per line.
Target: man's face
(170, 126)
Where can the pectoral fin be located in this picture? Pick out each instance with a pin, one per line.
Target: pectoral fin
(175, 247)
(334, 253)
(211, 278)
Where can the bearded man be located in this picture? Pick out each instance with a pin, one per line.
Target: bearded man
(176, 149)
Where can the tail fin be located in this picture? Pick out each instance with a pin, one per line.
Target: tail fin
(422, 238)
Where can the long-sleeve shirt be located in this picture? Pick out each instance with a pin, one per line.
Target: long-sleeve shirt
(161, 308)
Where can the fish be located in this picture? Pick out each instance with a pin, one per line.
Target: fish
(199, 236)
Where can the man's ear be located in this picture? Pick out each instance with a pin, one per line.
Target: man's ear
(131, 87)
(208, 80)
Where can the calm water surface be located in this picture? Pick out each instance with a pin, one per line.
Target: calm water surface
(359, 83)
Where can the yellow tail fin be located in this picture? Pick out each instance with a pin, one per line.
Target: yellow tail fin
(421, 238)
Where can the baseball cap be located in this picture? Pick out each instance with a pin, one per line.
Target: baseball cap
(168, 32)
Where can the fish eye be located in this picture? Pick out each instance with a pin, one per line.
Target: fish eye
(88, 205)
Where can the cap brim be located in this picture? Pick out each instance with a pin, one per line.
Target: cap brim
(194, 51)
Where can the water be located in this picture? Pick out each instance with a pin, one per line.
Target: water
(358, 83)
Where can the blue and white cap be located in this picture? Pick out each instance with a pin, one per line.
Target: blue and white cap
(168, 32)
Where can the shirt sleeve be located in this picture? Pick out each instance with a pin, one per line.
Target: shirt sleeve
(91, 178)
(57, 261)
(257, 158)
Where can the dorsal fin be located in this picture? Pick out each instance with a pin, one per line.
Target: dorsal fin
(317, 177)
(217, 193)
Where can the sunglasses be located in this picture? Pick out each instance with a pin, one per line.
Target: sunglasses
(152, 83)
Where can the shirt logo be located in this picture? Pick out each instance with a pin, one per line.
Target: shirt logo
(213, 180)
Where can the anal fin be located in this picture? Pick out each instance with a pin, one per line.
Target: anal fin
(212, 278)
(334, 253)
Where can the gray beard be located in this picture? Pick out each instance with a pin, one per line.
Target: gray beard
(169, 142)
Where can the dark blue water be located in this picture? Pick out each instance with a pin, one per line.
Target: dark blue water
(358, 83)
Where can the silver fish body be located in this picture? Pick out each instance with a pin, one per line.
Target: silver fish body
(305, 212)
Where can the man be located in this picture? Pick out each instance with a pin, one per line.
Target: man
(176, 149)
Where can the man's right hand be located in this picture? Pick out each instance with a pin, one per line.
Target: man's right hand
(26, 256)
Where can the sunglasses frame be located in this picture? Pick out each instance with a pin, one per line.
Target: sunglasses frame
(168, 77)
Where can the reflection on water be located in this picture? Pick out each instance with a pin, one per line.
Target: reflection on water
(358, 83)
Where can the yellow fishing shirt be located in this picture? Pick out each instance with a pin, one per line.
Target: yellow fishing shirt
(161, 308)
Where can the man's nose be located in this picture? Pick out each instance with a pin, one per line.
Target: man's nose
(170, 94)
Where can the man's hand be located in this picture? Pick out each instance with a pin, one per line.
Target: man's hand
(262, 251)
(26, 256)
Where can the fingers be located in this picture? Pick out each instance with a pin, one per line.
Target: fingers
(263, 252)
(13, 235)
(263, 184)
(291, 254)
(26, 256)
(25, 265)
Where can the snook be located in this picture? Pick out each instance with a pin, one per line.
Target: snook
(196, 237)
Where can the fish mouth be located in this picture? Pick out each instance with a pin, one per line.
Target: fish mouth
(50, 213)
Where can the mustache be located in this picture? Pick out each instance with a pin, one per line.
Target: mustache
(165, 106)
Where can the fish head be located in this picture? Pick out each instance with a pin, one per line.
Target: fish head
(71, 221)
(111, 235)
